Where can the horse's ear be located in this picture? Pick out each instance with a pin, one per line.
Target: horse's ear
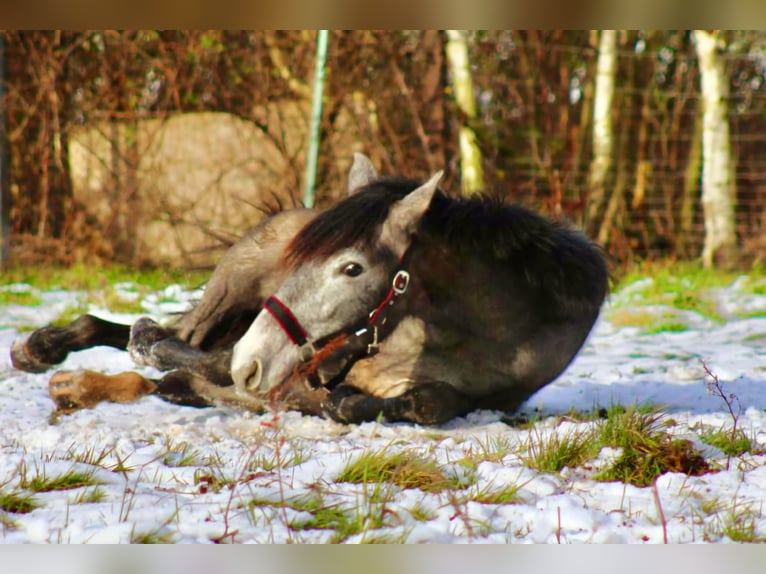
(362, 173)
(404, 216)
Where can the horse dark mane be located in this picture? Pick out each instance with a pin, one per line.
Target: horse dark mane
(548, 255)
(353, 220)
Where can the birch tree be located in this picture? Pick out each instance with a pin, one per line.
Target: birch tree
(718, 188)
(471, 170)
(603, 135)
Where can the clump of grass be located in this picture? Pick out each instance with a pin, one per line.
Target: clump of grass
(26, 298)
(421, 513)
(90, 496)
(650, 323)
(632, 318)
(157, 536)
(404, 469)
(730, 444)
(267, 462)
(17, 502)
(506, 494)
(66, 481)
(667, 327)
(553, 452)
(647, 450)
(181, 454)
(343, 520)
(7, 523)
(737, 524)
(730, 400)
(494, 448)
(91, 456)
(679, 285)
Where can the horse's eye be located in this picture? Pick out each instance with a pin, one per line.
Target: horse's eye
(352, 269)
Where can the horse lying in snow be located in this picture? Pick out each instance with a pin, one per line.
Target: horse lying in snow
(398, 301)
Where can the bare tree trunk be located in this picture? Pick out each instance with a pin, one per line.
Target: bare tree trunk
(718, 189)
(471, 169)
(603, 137)
(691, 186)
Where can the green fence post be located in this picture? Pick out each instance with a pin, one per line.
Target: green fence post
(316, 119)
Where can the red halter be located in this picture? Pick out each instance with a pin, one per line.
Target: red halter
(298, 335)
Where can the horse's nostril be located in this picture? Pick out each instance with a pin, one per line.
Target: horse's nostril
(247, 376)
(253, 379)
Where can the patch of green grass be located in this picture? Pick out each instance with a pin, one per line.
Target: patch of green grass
(267, 462)
(421, 513)
(157, 536)
(730, 444)
(739, 525)
(506, 494)
(682, 285)
(649, 322)
(17, 502)
(754, 337)
(92, 278)
(753, 314)
(554, 451)
(90, 496)
(7, 523)
(494, 448)
(667, 275)
(181, 454)
(26, 298)
(403, 469)
(669, 327)
(631, 318)
(647, 449)
(343, 520)
(66, 481)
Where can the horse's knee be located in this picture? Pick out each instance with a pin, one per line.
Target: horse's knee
(428, 404)
(347, 404)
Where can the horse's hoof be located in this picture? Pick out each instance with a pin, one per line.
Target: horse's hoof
(65, 391)
(22, 360)
(82, 389)
(143, 335)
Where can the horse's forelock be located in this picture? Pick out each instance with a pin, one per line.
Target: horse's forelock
(353, 221)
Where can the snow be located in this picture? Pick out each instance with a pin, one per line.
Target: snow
(180, 474)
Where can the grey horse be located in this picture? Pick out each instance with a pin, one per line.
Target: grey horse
(398, 301)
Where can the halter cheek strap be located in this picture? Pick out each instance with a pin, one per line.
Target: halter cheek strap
(290, 325)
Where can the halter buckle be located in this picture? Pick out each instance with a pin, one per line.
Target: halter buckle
(307, 351)
(401, 282)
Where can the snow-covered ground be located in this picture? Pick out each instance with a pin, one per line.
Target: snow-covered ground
(178, 474)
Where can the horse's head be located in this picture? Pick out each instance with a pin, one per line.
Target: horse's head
(345, 268)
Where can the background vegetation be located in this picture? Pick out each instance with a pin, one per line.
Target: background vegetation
(389, 94)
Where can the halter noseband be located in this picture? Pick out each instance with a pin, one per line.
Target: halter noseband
(360, 340)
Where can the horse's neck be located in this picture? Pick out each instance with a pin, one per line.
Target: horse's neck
(452, 287)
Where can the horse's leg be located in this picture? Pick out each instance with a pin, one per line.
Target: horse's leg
(207, 373)
(151, 344)
(84, 389)
(50, 345)
(427, 403)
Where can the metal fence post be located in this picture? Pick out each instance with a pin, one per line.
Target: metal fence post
(316, 119)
